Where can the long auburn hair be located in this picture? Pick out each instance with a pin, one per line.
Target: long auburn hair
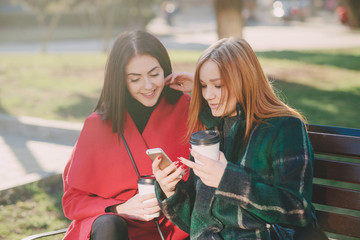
(112, 102)
(242, 75)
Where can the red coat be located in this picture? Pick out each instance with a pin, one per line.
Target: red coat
(100, 173)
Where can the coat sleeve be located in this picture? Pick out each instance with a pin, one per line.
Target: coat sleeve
(78, 204)
(287, 197)
(178, 208)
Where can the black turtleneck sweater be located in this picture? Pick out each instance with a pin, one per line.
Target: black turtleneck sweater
(139, 113)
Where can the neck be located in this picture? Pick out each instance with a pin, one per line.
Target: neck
(139, 113)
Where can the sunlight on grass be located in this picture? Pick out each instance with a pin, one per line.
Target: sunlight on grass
(329, 108)
(323, 77)
(324, 85)
(184, 56)
(337, 58)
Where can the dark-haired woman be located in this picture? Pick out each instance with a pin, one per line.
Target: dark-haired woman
(100, 181)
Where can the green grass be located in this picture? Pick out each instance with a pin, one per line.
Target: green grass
(61, 86)
(323, 85)
(32, 208)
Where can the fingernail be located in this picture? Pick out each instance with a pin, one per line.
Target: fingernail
(184, 167)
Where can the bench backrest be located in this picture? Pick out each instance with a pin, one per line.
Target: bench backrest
(336, 189)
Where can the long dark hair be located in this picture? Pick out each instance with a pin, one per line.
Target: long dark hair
(111, 104)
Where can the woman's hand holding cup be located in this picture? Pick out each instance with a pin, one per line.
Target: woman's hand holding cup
(209, 171)
(139, 207)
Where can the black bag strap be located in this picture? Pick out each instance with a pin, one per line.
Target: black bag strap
(138, 174)
(131, 157)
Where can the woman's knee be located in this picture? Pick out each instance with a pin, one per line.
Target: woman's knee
(109, 226)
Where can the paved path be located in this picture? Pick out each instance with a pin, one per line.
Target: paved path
(33, 148)
(195, 28)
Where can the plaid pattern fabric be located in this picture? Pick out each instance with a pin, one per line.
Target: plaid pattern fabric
(270, 177)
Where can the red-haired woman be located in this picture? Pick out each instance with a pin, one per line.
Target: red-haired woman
(265, 169)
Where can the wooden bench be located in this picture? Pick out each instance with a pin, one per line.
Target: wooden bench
(336, 189)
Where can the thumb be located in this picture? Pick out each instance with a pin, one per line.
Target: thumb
(170, 79)
(222, 157)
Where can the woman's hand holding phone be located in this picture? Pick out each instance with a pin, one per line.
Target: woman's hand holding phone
(168, 177)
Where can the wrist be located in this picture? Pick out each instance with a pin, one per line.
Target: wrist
(169, 194)
(114, 209)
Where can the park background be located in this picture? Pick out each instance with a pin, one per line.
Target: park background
(52, 58)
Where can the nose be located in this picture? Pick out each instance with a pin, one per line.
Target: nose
(147, 84)
(208, 93)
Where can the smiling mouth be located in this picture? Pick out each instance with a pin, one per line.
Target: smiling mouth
(213, 106)
(149, 94)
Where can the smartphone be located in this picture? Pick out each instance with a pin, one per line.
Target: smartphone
(154, 152)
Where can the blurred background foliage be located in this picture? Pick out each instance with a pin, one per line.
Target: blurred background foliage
(105, 15)
(102, 17)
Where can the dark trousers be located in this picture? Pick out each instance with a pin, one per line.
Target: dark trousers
(109, 227)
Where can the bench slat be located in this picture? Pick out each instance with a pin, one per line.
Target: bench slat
(325, 143)
(334, 130)
(339, 223)
(336, 197)
(330, 169)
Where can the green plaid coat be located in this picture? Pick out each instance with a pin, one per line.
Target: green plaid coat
(270, 177)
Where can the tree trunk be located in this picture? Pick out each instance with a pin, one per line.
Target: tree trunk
(109, 26)
(50, 30)
(353, 13)
(229, 18)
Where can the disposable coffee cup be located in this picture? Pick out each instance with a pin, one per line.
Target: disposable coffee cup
(146, 186)
(206, 143)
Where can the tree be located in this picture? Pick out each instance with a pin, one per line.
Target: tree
(229, 18)
(131, 14)
(353, 13)
(48, 8)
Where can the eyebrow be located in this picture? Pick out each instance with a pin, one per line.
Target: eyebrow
(212, 80)
(138, 74)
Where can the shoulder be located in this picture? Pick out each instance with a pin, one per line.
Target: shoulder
(182, 102)
(185, 99)
(283, 122)
(94, 120)
(290, 131)
(273, 128)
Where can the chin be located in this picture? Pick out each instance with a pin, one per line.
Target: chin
(215, 113)
(149, 104)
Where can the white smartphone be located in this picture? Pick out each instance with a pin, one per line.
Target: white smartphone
(154, 152)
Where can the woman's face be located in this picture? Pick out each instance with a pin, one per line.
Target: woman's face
(214, 92)
(145, 79)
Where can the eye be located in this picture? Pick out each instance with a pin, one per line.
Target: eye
(134, 80)
(218, 86)
(154, 74)
(202, 85)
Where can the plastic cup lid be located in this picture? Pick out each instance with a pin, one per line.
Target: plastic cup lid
(147, 179)
(206, 137)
